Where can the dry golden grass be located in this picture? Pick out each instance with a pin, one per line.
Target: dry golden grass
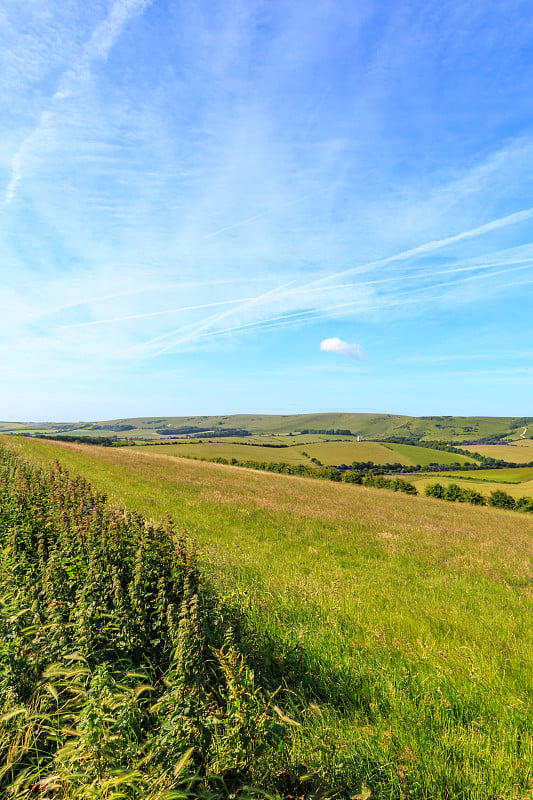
(519, 452)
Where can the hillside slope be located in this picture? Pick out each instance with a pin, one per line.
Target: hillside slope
(412, 615)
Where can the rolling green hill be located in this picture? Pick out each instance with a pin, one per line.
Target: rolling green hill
(368, 426)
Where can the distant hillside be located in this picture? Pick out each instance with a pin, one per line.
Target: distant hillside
(368, 426)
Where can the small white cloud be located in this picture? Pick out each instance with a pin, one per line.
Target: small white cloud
(335, 345)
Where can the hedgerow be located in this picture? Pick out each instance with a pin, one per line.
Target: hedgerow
(498, 498)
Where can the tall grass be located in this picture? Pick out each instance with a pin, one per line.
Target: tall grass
(121, 673)
(403, 622)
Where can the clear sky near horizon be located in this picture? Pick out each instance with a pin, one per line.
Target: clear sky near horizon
(265, 207)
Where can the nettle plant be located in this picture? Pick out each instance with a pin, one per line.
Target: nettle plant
(121, 673)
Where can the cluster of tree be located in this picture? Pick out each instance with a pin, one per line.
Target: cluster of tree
(183, 429)
(395, 485)
(522, 422)
(275, 445)
(493, 438)
(303, 470)
(194, 429)
(228, 432)
(455, 493)
(116, 428)
(416, 440)
(329, 431)
(366, 467)
(103, 441)
(498, 498)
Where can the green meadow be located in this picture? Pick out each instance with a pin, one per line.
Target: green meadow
(409, 618)
(426, 455)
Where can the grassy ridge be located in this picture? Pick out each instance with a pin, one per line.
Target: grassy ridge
(413, 615)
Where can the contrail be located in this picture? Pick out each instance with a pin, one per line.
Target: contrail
(156, 288)
(437, 244)
(202, 326)
(296, 292)
(234, 225)
(318, 313)
(510, 219)
(195, 328)
(152, 314)
(412, 296)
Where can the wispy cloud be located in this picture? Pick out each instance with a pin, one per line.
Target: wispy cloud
(96, 49)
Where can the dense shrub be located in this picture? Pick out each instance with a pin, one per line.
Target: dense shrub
(453, 492)
(524, 504)
(501, 499)
(434, 490)
(395, 484)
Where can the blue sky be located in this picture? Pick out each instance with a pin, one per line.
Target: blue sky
(194, 197)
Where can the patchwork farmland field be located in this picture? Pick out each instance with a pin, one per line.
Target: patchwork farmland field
(326, 452)
(228, 449)
(397, 607)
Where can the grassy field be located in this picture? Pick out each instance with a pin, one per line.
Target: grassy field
(523, 442)
(426, 455)
(229, 450)
(520, 452)
(411, 615)
(347, 452)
